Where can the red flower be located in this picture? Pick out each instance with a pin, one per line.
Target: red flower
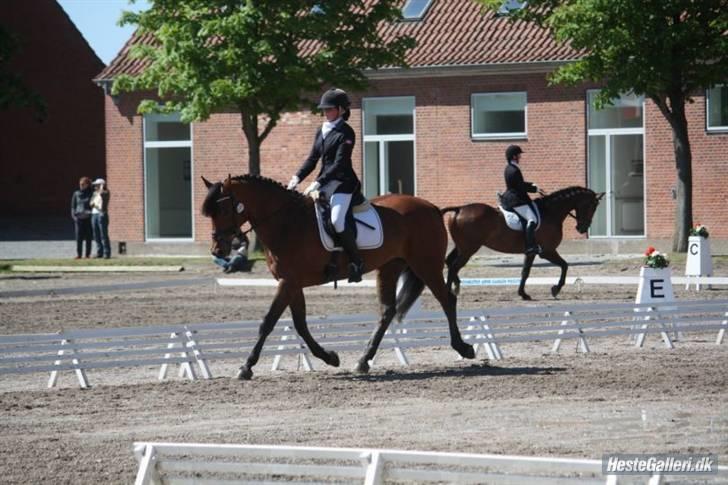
(649, 251)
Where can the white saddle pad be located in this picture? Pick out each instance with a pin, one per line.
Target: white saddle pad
(512, 220)
(366, 238)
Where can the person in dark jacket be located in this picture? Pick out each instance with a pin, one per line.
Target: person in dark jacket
(334, 143)
(516, 197)
(81, 214)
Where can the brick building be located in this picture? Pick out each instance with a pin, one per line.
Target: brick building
(477, 83)
(41, 162)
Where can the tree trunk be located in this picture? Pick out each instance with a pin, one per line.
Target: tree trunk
(250, 128)
(684, 165)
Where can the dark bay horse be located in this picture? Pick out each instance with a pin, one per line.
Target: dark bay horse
(476, 225)
(415, 243)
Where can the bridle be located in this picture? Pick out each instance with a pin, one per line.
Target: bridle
(237, 207)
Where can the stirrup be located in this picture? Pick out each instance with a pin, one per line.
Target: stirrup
(355, 271)
(534, 250)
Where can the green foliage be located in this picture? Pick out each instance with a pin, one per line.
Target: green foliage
(657, 48)
(13, 91)
(256, 57)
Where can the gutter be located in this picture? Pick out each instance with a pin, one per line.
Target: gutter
(449, 70)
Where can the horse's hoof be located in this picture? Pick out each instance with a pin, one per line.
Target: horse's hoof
(467, 351)
(245, 374)
(525, 296)
(362, 367)
(555, 290)
(333, 359)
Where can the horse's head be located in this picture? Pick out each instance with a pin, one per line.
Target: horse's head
(227, 212)
(585, 209)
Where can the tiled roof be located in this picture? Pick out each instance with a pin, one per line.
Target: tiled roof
(452, 33)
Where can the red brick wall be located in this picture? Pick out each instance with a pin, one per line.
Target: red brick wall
(451, 167)
(40, 163)
(710, 172)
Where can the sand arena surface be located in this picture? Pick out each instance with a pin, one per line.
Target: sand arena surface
(615, 399)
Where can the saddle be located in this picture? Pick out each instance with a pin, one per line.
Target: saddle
(361, 217)
(514, 220)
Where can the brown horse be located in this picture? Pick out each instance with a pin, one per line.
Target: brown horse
(415, 243)
(476, 225)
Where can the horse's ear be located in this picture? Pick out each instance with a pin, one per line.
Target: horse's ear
(601, 194)
(208, 184)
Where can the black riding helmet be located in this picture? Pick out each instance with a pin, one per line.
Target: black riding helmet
(512, 151)
(334, 98)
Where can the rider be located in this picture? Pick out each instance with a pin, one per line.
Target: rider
(516, 197)
(334, 143)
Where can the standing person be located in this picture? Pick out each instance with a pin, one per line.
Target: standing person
(81, 214)
(334, 143)
(100, 218)
(516, 197)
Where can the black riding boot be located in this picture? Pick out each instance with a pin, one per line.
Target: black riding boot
(348, 242)
(531, 246)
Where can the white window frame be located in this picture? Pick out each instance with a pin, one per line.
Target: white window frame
(168, 144)
(708, 128)
(503, 135)
(385, 138)
(609, 132)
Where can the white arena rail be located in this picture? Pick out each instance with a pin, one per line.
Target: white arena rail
(183, 464)
(194, 346)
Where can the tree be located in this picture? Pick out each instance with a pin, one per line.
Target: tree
(13, 91)
(261, 58)
(665, 50)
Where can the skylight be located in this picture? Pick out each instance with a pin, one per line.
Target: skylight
(415, 9)
(509, 6)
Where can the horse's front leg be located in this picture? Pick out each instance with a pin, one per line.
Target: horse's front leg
(555, 258)
(527, 263)
(280, 302)
(298, 312)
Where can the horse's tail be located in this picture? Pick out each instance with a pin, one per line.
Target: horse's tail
(454, 208)
(411, 289)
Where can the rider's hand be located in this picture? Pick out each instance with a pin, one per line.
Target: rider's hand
(293, 182)
(313, 187)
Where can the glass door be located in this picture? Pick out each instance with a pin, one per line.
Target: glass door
(389, 146)
(167, 178)
(616, 167)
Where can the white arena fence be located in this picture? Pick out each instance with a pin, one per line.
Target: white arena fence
(194, 346)
(178, 464)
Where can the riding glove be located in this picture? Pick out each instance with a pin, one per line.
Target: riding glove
(294, 182)
(311, 188)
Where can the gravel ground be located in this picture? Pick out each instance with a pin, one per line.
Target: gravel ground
(615, 399)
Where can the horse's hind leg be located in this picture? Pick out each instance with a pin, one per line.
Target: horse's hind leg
(433, 279)
(527, 263)
(387, 292)
(298, 312)
(280, 302)
(556, 259)
(455, 261)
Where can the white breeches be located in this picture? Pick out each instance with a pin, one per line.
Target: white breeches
(526, 212)
(339, 206)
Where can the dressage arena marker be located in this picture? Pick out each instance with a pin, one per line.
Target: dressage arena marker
(187, 463)
(193, 346)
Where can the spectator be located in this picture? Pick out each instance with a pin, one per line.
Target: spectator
(100, 218)
(81, 214)
(239, 262)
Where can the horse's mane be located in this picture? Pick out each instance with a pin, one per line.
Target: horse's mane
(567, 193)
(209, 204)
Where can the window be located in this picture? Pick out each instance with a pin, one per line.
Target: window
(509, 6)
(167, 177)
(415, 9)
(389, 145)
(625, 112)
(716, 101)
(498, 115)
